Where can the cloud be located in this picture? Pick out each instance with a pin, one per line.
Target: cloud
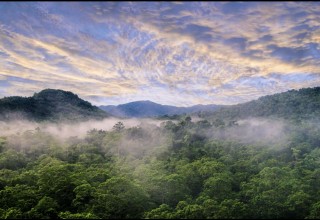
(181, 53)
(238, 43)
(2, 77)
(299, 55)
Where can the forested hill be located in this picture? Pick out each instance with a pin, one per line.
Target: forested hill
(49, 104)
(293, 104)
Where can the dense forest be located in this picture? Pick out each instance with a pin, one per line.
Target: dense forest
(231, 166)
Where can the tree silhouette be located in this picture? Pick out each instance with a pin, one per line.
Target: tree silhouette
(118, 127)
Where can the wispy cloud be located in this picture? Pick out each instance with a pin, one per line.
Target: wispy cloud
(179, 53)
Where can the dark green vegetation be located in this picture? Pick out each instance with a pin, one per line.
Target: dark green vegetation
(294, 104)
(49, 104)
(142, 109)
(181, 169)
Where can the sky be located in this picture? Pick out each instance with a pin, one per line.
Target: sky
(174, 53)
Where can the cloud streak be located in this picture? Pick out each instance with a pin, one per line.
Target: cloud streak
(172, 53)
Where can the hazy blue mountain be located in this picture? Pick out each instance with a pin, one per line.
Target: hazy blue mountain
(141, 109)
(293, 104)
(49, 104)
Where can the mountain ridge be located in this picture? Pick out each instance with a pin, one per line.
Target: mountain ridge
(292, 104)
(49, 104)
(55, 105)
(152, 109)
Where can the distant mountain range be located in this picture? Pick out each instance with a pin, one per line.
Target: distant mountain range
(56, 105)
(49, 104)
(140, 109)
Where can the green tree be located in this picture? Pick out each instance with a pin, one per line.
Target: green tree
(184, 210)
(275, 193)
(12, 213)
(69, 215)
(22, 197)
(84, 194)
(315, 211)
(12, 160)
(47, 208)
(162, 212)
(55, 181)
(118, 197)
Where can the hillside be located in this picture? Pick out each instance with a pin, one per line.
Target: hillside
(293, 104)
(142, 109)
(54, 105)
(49, 104)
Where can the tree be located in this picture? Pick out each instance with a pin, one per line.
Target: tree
(13, 213)
(69, 215)
(218, 186)
(55, 181)
(276, 193)
(184, 210)
(118, 197)
(118, 127)
(84, 194)
(2, 143)
(315, 211)
(162, 212)
(12, 159)
(22, 197)
(232, 209)
(47, 208)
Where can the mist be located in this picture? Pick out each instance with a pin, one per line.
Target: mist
(264, 131)
(141, 137)
(64, 130)
(145, 136)
(258, 130)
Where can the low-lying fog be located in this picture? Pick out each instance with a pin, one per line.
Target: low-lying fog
(258, 130)
(253, 130)
(66, 130)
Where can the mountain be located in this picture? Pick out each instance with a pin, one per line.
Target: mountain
(142, 109)
(293, 104)
(49, 104)
(55, 105)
